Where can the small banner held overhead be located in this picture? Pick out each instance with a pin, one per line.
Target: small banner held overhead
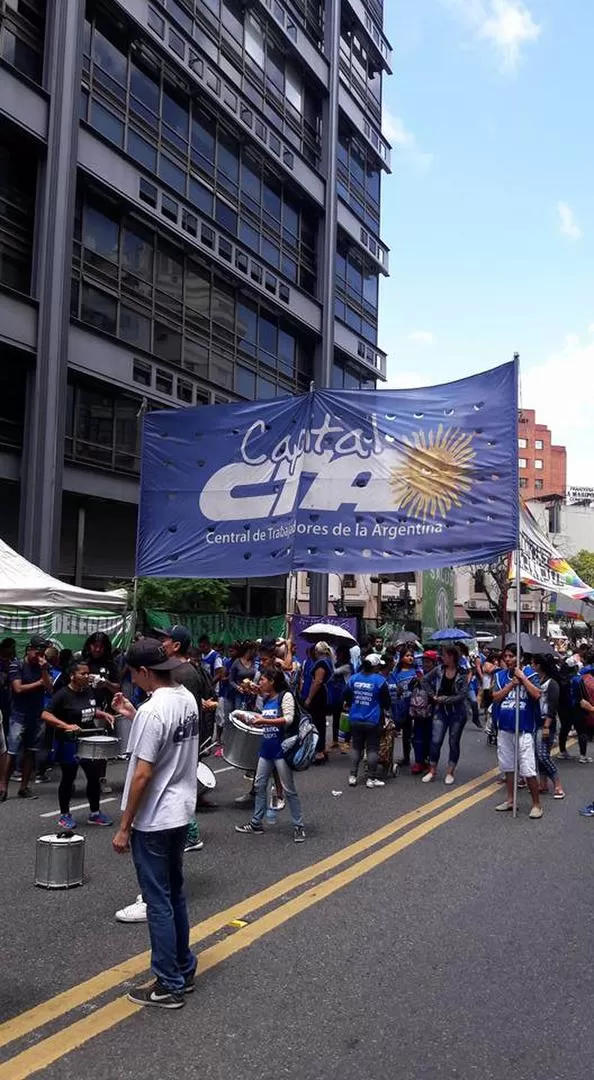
(542, 566)
(359, 481)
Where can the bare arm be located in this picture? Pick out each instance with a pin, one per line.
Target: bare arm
(317, 682)
(53, 721)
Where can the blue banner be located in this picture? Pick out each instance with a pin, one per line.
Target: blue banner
(374, 481)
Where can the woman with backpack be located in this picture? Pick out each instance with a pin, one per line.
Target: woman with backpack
(547, 672)
(448, 690)
(277, 715)
(399, 685)
(421, 714)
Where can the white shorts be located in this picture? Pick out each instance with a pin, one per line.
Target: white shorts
(526, 754)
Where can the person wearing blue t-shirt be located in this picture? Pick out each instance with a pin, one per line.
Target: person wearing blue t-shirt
(277, 714)
(513, 685)
(367, 698)
(399, 685)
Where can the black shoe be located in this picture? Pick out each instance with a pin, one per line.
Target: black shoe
(25, 793)
(403, 761)
(3, 796)
(249, 828)
(299, 834)
(244, 800)
(158, 996)
(190, 982)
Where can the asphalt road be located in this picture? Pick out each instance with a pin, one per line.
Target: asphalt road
(457, 943)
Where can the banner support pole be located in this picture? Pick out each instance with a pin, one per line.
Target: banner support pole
(518, 660)
(134, 604)
(518, 608)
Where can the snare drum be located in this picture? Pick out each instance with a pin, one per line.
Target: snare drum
(98, 747)
(123, 727)
(59, 861)
(241, 742)
(207, 780)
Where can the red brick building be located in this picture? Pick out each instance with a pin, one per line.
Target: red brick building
(543, 466)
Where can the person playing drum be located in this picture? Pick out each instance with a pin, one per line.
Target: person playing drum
(277, 714)
(72, 710)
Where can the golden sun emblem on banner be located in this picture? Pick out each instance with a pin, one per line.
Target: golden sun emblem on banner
(435, 473)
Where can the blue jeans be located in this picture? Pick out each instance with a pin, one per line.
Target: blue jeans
(263, 774)
(546, 765)
(158, 858)
(452, 721)
(422, 728)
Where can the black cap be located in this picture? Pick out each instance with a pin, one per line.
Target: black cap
(38, 641)
(151, 654)
(268, 644)
(178, 633)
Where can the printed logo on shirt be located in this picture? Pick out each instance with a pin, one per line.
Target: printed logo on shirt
(188, 729)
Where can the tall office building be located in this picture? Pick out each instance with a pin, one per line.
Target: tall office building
(189, 213)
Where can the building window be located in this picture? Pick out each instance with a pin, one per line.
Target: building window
(254, 40)
(522, 462)
(522, 443)
(359, 179)
(479, 581)
(349, 581)
(102, 428)
(356, 292)
(538, 484)
(130, 282)
(538, 444)
(22, 32)
(194, 154)
(18, 178)
(346, 378)
(269, 80)
(538, 464)
(360, 73)
(523, 482)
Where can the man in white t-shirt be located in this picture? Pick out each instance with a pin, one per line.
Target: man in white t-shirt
(158, 803)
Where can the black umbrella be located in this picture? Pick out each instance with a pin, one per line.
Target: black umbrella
(531, 644)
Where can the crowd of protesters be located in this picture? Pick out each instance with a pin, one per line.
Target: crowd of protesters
(363, 700)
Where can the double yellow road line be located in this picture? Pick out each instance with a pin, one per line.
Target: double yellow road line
(419, 823)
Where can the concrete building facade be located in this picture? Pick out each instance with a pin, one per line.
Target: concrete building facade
(190, 214)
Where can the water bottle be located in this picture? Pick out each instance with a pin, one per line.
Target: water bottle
(271, 811)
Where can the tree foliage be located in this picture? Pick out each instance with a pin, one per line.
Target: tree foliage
(583, 564)
(180, 595)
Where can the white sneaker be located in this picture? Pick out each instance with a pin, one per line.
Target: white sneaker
(352, 781)
(584, 760)
(135, 912)
(194, 845)
(428, 777)
(375, 782)
(449, 779)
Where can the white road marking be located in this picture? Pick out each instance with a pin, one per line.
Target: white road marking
(80, 806)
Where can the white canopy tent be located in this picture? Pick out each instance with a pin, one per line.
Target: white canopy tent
(25, 586)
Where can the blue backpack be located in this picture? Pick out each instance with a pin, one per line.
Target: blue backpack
(299, 750)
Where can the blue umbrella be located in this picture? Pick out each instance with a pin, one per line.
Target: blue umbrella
(451, 634)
